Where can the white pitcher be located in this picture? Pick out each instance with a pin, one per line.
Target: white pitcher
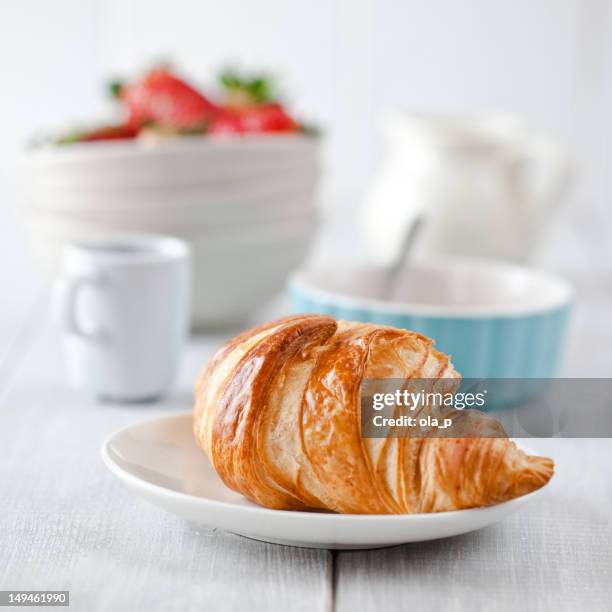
(485, 186)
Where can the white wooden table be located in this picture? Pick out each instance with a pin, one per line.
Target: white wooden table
(65, 523)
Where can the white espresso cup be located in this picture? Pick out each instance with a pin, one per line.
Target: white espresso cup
(123, 305)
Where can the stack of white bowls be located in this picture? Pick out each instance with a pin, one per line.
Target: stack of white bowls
(246, 206)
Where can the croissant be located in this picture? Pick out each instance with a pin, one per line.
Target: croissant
(277, 411)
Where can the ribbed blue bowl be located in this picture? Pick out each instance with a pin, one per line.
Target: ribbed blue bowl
(495, 320)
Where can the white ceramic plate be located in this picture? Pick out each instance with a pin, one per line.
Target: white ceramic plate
(159, 460)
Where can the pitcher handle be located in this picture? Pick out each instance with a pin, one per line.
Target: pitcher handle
(544, 172)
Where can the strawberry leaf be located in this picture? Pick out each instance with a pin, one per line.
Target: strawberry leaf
(114, 88)
(258, 89)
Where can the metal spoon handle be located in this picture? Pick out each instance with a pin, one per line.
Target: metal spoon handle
(389, 285)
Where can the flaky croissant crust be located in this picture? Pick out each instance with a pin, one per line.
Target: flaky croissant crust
(277, 411)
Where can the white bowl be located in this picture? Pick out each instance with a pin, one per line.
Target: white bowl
(240, 192)
(235, 270)
(177, 213)
(188, 226)
(496, 320)
(246, 205)
(233, 278)
(176, 162)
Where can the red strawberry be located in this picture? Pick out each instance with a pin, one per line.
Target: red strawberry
(260, 118)
(251, 107)
(111, 132)
(107, 132)
(226, 121)
(163, 98)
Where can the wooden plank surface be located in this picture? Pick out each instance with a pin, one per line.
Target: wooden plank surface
(66, 523)
(555, 554)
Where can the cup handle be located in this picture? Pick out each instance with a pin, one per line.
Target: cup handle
(67, 292)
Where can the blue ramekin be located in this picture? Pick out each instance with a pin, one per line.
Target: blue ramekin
(495, 320)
